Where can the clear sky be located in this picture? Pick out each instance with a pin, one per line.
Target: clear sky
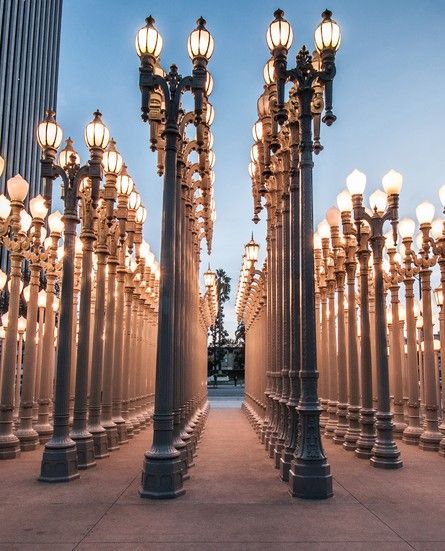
(388, 97)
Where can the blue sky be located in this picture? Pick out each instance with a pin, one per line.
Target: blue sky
(388, 97)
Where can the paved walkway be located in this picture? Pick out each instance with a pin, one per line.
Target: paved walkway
(234, 501)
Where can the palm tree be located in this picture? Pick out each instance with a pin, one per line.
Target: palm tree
(218, 334)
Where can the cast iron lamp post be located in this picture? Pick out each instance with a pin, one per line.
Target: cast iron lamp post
(384, 204)
(408, 270)
(59, 461)
(162, 476)
(309, 476)
(16, 241)
(425, 260)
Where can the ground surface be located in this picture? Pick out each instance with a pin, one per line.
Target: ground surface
(234, 501)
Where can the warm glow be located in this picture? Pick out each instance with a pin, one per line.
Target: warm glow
(55, 222)
(210, 114)
(212, 158)
(269, 72)
(65, 156)
(124, 182)
(134, 200)
(5, 207)
(356, 182)
(200, 42)
(25, 221)
(38, 207)
(257, 131)
(112, 159)
(17, 188)
(333, 216)
(279, 34)
(21, 324)
(324, 230)
(327, 35)
(437, 228)
(344, 201)
(3, 279)
(2, 165)
(148, 40)
(317, 241)
(49, 133)
(378, 200)
(41, 299)
(438, 296)
(209, 84)
(425, 212)
(97, 134)
(141, 214)
(407, 227)
(252, 250)
(392, 182)
(252, 169)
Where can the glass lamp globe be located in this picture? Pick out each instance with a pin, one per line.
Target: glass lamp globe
(263, 105)
(392, 182)
(327, 35)
(38, 208)
(141, 214)
(324, 230)
(200, 43)
(124, 182)
(5, 207)
(252, 250)
(67, 153)
(269, 72)
(210, 114)
(2, 165)
(17, 188)
(437, 228)
(442, 195)
(356, 182)
(252, 169)
(378, 201)
(317, 241)
(425, 212)
(407, 227)
(55, 222)
(148, 40)
(212, 158)
(257, 131)
(279, 34)
(112, 159)
(344, 201)
(134, 200)
(209, 84)
(97, 134)
(49, 133)
(25, 221)
(3, 279)
(333, 216)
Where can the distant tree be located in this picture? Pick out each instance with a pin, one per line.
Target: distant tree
(240, 341)
(218, 334)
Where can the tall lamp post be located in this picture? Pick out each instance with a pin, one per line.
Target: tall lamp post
(59, 461)
(384, 205)
(162, 476)
(310, 475)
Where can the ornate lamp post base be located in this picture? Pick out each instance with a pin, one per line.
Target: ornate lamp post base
(411, 435)
(85, 450)
(9, 447)
(430, 441)
(285, 463)
(385, 454)
(122, 432)
(310, 479)
(29, 439)
(100, 443)
(112, 437)
(162, 477)
(59, 463)
(45, 432)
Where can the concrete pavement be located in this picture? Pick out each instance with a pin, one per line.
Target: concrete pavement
(234, 501)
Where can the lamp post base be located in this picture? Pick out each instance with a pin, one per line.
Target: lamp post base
(121, 431)
(430, 441)
(29, 439)
(411, 435)
(59, 462)
(310, 480)
(385, 455)
(85, 449)
(9, 446)
(162, 477)
(100, 443)
(285, 463)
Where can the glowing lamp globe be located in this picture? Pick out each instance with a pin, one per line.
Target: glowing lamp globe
(327, 35)
(97, 134)
(356, 182)
(200, 43)
(425, 212)
(279, 35)
(148, 40)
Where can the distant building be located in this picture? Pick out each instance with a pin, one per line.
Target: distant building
(29, 63)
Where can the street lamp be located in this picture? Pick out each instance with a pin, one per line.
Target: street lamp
(310, 473)
(384, 205)
(162, 477)
(59, 461)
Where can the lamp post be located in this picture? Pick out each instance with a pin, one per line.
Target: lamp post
(408, 270)
(344, 202)
(162, 477)
(425, 260)
(384, 204)
(28, 436)
(309, 476)
(10, 221)
(59, 461)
